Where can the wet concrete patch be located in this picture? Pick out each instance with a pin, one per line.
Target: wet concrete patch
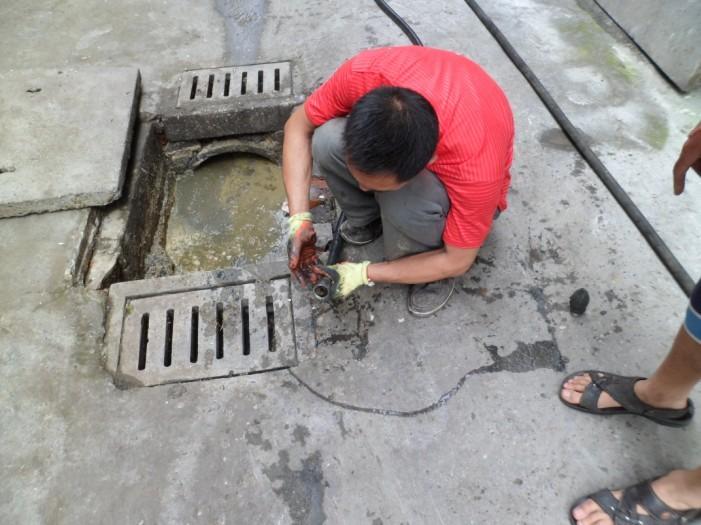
(301, 489)
(526, 358)
(255, 437)
(555, 138)
(300, 434)
(346, 325)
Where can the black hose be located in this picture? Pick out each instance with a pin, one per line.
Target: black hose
(406, 28)
(337, 242)
(322, 289)
(651, 236)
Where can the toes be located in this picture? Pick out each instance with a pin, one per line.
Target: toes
(597, 518)
(601, 521)
(585, 509)
(578, 383)
(589, 513)
(581, 382)
(571, 396)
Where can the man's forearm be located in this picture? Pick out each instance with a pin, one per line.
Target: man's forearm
(421, 268)
(297, 162)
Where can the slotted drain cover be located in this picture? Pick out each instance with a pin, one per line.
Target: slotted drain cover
(236, 325)
(221, 84)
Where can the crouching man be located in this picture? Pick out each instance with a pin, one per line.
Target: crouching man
(415, 144)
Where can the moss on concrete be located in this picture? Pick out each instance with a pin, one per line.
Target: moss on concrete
(655, 132)
(592, 49)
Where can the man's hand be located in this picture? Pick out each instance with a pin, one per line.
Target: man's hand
(301, 249)
(690, 157)
(347, 277)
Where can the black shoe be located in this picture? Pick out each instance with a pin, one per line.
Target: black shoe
(426, 299)
(359, 236)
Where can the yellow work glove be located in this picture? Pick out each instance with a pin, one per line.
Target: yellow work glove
(347, 277)
(297, 220)
(301, 248)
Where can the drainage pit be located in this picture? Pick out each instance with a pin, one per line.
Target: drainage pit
(198, 285)
(205, 289)
(227, 212)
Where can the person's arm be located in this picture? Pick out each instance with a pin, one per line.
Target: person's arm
(297, 175)
(424, 267)
(297, 160)
(689, 157)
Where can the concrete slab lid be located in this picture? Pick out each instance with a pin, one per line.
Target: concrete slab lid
(65, 137)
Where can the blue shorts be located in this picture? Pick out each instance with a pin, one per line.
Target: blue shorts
(693, 315)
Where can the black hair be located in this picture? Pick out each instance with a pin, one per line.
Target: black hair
(391, 129)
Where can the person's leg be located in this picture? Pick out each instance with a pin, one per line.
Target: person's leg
(413, 220)
(413, 217)
(670, 385)
(359, 206)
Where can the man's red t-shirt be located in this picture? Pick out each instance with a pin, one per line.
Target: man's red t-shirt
(476, 129)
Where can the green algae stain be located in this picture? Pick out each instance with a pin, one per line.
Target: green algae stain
(655, 131)
(591, 48)
(227, 212)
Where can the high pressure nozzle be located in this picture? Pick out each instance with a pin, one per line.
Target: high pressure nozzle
(322, 289)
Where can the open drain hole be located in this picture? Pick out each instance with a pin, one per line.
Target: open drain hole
(277, 79)
(220, 331)
(194, 329)
(143, 342)
(270, 314)
(168, 347)
(244, 79)
(227, 84)
(210, 86)
(260, 81)
(246, 335)
(193, 88)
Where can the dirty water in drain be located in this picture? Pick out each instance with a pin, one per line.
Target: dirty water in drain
(227, 212)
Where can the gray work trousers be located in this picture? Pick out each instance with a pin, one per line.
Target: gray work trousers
(413, 217)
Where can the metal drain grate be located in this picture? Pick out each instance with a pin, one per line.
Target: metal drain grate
(226, 83)
(207, 333)
(206, 325)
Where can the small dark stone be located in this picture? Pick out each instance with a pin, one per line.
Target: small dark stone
(579, 301)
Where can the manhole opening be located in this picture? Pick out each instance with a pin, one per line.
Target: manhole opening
(226, 212)
(216, 205)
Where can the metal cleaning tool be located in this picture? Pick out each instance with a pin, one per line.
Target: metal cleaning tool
(322, 289)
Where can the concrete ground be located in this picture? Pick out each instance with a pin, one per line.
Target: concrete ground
(391, 419)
